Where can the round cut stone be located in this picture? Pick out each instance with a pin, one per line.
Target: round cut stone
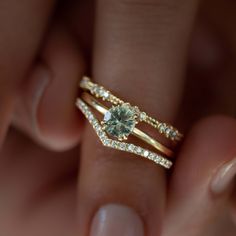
(119, 121)
(146, 153)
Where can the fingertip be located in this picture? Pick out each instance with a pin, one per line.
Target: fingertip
(59, 121)
(203, 161)
(48, 110)
(216, 133)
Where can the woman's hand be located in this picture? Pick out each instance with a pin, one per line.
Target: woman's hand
(140, 52)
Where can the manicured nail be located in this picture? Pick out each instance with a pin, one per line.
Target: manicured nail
(223, 178)
(116, 220)
(39, 81)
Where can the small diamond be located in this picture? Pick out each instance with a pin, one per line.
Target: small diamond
(146, 153)
(101, 133)
(162, 161)
(117, 144)
(173, 134)
(93, 89)
(157, 159)
(103, 139)
(123, 146)
(107, 116)
(152, 156)
(139, 150)
(131, 147)
(96, 125)
(135, 109)
(166, 163)
(107, 142)
(98, 130)
(84, 81)
(168, 131)
(105, 94)
(112, 143)
(90, 117)
(169, 164)
(162, 128)
(143, 116)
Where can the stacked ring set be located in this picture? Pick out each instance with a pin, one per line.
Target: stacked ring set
(121, 120)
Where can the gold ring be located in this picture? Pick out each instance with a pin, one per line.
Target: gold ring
(100, 92)
(90, 100)
(122, 146)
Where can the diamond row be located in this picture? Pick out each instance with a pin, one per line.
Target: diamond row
(122, 146)
(100, 92)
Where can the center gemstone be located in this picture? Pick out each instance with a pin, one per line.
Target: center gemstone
(119, 121)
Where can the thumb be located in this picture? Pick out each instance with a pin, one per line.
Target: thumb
(200, 186)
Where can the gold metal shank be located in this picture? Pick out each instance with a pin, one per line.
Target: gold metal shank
(100, 92)
(90, 100)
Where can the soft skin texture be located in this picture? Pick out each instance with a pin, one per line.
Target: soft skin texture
(138, 49)
(27, 23)
(42, 110)
(210, 144)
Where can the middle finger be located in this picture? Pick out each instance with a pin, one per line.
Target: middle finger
(139, 48)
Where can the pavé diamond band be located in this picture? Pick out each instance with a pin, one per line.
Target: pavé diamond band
(119, 122)
(100, 92)
(122, 146)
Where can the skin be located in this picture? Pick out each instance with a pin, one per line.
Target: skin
(54, 184)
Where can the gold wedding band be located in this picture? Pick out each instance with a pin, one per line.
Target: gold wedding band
(100, 92)
(120, 120)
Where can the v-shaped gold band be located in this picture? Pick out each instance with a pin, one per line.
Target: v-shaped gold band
(122, 146)
(136, 132)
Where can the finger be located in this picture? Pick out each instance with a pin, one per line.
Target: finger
(134, 51)
(201, 184)
(46, 109)
(21, 26)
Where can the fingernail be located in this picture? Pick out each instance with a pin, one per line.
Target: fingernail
(39, 81)
(223, 178)
(27, 108)
(116, 220)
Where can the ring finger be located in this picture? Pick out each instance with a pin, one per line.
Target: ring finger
(139, 46)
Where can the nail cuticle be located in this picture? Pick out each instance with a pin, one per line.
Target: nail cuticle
(115, 219)
(40, 81)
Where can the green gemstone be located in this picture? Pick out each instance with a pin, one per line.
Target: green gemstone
(119, 121)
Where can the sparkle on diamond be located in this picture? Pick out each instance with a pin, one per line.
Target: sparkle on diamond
(119, 121)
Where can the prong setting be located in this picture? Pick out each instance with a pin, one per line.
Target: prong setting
(119, 121)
